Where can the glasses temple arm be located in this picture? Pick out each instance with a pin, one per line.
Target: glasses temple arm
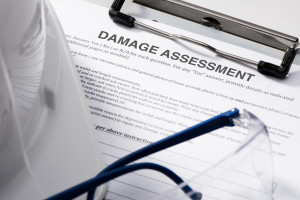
(83, 187)
(219, 121)
(118, 168)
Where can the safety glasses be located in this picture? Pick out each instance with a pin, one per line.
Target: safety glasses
(246, 173)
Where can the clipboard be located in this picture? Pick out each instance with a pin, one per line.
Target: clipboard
(280, 41)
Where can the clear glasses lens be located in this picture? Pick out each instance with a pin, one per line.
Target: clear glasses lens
(247, 173)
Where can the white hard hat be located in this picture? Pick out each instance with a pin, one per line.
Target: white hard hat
(22, 54)
(36, 153)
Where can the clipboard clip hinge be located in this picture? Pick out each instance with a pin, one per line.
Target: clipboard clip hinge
(275, 70)
(119, 17)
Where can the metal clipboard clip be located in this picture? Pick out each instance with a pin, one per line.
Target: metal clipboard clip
(246, 30)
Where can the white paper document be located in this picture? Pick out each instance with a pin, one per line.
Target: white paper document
(141, 87)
